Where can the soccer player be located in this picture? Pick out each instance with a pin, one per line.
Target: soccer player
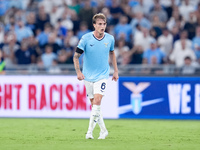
(97, 46)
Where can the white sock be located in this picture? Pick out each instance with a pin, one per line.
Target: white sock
(101, 123)
(94, 117)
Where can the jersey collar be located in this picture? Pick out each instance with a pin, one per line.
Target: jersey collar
(99, 39)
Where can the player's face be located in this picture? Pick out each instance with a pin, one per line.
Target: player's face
(100, 26)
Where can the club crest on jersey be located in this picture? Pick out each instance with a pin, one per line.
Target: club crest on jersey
(106, 44)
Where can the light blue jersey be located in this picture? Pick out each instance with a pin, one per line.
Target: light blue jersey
(96, 55)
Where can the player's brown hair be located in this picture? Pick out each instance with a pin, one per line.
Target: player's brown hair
(98, 16)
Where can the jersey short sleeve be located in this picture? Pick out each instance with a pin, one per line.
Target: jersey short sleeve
(82, 43)
(112, 44)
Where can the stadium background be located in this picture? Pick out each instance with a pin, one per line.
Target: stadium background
(38, 39)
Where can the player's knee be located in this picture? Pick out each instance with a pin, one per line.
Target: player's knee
(97, 100)
(92, 100)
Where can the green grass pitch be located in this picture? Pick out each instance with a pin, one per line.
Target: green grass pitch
(69, 134)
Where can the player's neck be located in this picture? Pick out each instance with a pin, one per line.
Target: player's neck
(97, 35)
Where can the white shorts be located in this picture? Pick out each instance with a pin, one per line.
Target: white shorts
(98, 87)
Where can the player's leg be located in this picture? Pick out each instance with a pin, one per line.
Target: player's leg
(93, 119)
(99, 90)
(100, 121)
(92, 101)
(89, 90)
(95, 114)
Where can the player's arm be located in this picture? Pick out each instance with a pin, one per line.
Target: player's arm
(114, 63)
(77, 54)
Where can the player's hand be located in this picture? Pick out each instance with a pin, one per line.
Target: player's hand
(115, 76)
(80, 76)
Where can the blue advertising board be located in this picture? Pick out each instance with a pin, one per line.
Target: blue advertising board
(159, 97)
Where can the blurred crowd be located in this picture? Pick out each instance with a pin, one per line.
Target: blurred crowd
(46, 32)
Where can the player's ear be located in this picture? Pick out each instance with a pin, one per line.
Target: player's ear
(94, 25)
